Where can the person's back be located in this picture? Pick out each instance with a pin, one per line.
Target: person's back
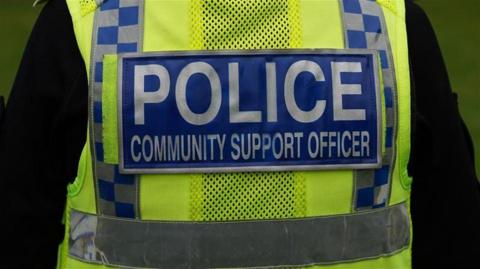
(274, 122)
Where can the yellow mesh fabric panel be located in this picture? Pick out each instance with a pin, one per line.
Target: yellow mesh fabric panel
(87, 6)
(247, 24)
(247, 196)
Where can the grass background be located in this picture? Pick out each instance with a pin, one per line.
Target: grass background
(457, 24)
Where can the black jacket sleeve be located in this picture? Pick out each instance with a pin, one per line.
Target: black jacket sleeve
(41, 139)
(445, 191)
(45, 128)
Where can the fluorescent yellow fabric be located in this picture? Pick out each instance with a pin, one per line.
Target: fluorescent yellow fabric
(267, 24)
(170, 21)
(398, 38)
(247, 196)
(87, 6)
(81, 192)
(169, 192)
(332, 186)
(109, 109)
(390, 4)
(169, 25)
(321, 24)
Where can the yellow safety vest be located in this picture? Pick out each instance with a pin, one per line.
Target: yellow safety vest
(120, 214)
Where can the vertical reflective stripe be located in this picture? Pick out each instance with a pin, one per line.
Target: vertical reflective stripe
(365, 27)
(253, 244)
(118, 28)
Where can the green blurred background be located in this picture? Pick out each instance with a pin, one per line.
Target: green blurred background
(457, 24)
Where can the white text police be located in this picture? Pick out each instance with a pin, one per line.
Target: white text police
(179, 89)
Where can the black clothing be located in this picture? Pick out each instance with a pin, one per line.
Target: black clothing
(2, 109)
(45, 127)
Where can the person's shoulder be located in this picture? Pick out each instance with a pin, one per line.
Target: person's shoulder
(413, 9)
(39, 2)
(51, 4)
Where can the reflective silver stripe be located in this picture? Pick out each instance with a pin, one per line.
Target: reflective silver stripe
(390, 116)
(354, 15)
(293, 242)
(38, 2)
(119, 34)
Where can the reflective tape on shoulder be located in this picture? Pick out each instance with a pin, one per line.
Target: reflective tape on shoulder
(266, 243)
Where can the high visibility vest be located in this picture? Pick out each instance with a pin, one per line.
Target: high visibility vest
(242, 134)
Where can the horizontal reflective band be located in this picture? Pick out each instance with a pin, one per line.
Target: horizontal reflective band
(320, 240)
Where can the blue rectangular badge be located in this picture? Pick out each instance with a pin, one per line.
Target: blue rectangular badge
(227, 111)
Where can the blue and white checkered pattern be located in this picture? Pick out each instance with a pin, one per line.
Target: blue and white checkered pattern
(116, 191)
(116, 30)
(365, 28)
